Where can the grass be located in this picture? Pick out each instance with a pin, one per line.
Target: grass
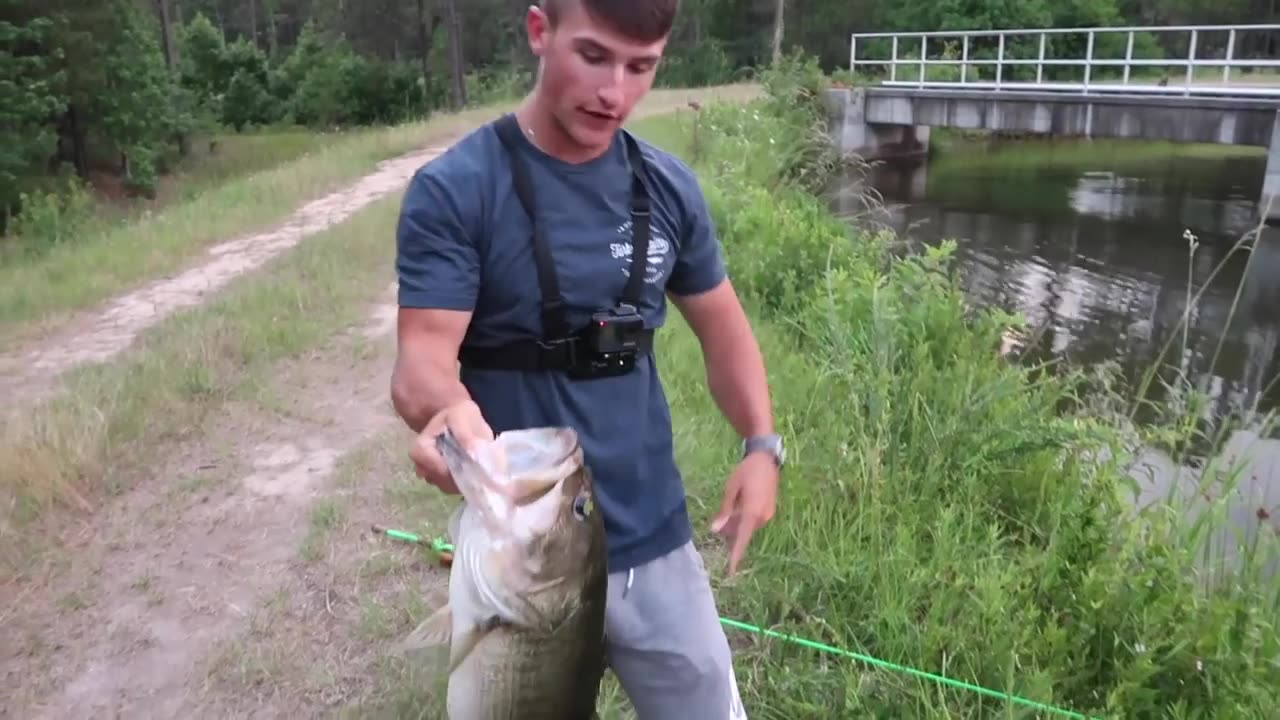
(113, 418)
(216, 159)
(1041, 150)
(228, 156)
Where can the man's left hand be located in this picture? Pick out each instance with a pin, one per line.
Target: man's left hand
(750, 498)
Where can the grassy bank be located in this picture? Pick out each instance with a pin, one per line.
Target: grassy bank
(1010, 150)
(229, 156)
(939, 512)
(111, 257)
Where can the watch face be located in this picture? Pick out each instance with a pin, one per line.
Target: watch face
(771, 443)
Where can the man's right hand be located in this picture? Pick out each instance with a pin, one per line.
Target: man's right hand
(465, 421)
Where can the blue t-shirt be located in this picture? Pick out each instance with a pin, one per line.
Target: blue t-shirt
(464, 242)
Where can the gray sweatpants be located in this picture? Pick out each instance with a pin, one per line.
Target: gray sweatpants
(665, 642)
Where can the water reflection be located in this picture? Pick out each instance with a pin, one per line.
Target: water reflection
(1092, 248)
(1099, 263)
(1243, 484)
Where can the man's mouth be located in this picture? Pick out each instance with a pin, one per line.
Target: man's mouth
(602, 117)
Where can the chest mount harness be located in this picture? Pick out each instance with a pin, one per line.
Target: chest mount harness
(613, 339)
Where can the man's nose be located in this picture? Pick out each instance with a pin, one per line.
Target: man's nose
(610, 93)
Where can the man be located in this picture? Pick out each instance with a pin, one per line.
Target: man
(470, 281)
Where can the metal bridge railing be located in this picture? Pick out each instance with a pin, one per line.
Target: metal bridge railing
(995, 48)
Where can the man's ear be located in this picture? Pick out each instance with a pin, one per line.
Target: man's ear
(538, 27)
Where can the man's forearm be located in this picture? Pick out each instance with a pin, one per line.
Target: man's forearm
(738, 382)
(420, 390)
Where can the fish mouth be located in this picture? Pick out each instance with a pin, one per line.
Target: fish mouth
(471, 479)
(539, 460)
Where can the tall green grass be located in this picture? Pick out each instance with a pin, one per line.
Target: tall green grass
(941, 510)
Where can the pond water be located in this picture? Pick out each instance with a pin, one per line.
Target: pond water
(1089, 242)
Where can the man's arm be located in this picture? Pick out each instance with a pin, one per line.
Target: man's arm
(425, 378)
(735, 366)
(736, 375)
(439, 272)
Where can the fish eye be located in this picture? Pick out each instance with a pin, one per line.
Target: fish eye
(581, 507)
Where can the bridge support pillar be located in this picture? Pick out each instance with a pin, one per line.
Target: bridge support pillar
(1269, 203)
(849, 129)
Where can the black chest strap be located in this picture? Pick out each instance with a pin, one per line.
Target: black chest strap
(555, 322)
(615, 337)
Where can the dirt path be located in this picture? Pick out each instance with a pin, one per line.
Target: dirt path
(239, 578)
(30, 373)
(146, 622)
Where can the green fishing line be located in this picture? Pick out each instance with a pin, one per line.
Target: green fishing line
(440, 545)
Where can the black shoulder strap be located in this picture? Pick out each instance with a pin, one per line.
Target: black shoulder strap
(554, 320)
(640, 215)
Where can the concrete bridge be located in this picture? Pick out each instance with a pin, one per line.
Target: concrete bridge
(892, 116)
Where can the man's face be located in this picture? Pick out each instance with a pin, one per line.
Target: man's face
(592, 76)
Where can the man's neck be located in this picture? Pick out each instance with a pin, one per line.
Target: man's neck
(541, 128)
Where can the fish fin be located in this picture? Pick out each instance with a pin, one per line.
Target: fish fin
(468, 640)
(435, 630)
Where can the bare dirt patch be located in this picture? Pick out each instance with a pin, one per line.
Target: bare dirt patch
(196, 551)
(327, 645)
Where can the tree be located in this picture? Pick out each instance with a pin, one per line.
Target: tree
(457, 66)
(136, 105)
(31, 94)
(425, 34)
(778, 12)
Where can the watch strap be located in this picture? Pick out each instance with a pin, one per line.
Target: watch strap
(770, 443)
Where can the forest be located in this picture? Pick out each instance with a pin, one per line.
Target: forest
(121, 89)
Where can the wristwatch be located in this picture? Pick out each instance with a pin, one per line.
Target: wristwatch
(771, 443)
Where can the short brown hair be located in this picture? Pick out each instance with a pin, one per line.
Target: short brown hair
(642, 20)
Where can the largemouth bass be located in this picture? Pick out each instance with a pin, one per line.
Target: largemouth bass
(527, 588)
